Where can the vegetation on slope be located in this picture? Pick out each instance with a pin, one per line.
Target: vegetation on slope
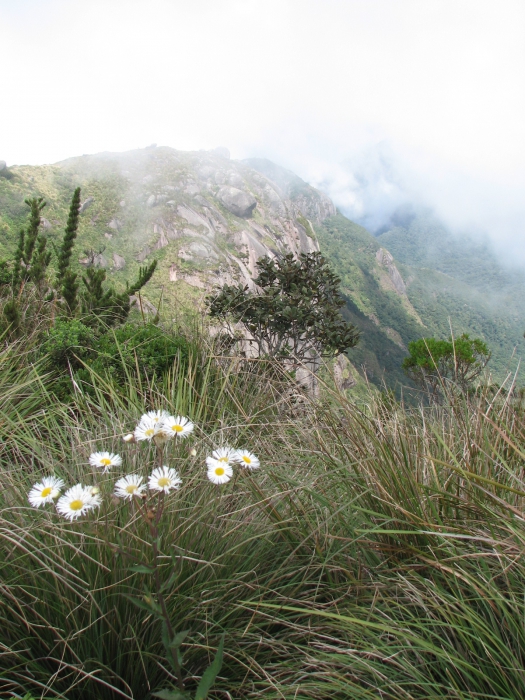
(375, 553)
(459, 283)
(435, 302)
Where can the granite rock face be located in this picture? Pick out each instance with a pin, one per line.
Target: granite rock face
(206, 218)
(386, 260)
(237, 202)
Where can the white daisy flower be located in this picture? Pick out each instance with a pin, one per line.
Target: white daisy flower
(46, 491)
(247, 459)
(146, 429)
(77, 501)
(105, 460)
(164, 479)
(219, 472)
(156, 416)
(224, 455)
(129, 486)
(178, 425)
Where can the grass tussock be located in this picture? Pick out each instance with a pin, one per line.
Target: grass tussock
(377, 552)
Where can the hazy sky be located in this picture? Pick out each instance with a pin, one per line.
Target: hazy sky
(377, 101)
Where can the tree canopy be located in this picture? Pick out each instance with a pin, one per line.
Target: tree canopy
(294, 311)
(459, 359)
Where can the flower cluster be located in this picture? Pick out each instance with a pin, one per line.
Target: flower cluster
(157, 426)
(76, 501)
(220, 464)
(160, 426)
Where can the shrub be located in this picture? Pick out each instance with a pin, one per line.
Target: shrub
(148, 348)
(68, 344)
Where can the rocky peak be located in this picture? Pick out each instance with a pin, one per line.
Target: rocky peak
(195, 211)
(386, 260)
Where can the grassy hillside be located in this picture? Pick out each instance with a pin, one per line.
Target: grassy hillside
(483, 298)
(376, 552)
(460, 282)
(165, 204)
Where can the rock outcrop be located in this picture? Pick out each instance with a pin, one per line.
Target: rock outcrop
(237, 202)
(85, 204)
(197, 212)
(385, 259)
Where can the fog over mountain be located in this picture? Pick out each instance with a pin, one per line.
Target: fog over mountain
(379, 103)
(381, 187)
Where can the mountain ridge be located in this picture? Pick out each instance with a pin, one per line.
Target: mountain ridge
(207, 219)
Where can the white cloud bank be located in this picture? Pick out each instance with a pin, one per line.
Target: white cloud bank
(432, 90)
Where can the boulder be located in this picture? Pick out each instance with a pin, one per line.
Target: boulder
(151, 200)
(86, 203)
(238, 202)
(235, 179)
(201, 250)
(118, 261)
(115, 224)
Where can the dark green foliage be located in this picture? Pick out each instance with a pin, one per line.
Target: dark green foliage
(31, 258)
(68, 343)
(65, 250)
(40, 262)
(66, 281)
(73, 346)
(36, 206)
(145, 274)
(432, 361)
(149, 349)
(6, 273)
(11, 318)
(102, 306)
(296, 312)
(69, 290)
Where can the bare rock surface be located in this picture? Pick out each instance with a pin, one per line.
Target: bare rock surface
(86, 203)
(118, 262)
(386, 260)
(237, 201)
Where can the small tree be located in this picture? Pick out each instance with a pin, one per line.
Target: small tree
(31, 257)
(98, 305)
(432, 361)
(295, 312)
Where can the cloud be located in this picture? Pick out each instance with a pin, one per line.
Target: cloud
(379, 101)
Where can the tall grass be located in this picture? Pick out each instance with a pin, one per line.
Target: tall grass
(377, 553)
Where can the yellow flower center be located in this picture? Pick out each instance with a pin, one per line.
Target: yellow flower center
(46, 491)
(164, 481)
(223, 459)
(131, 488)
(105, 461)
(149, 432)
(76, 505)
(246, 459)
(219, 471)
(177, 428)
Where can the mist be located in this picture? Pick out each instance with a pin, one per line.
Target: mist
(381, 104)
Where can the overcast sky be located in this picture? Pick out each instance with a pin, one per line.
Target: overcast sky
(377, 101)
